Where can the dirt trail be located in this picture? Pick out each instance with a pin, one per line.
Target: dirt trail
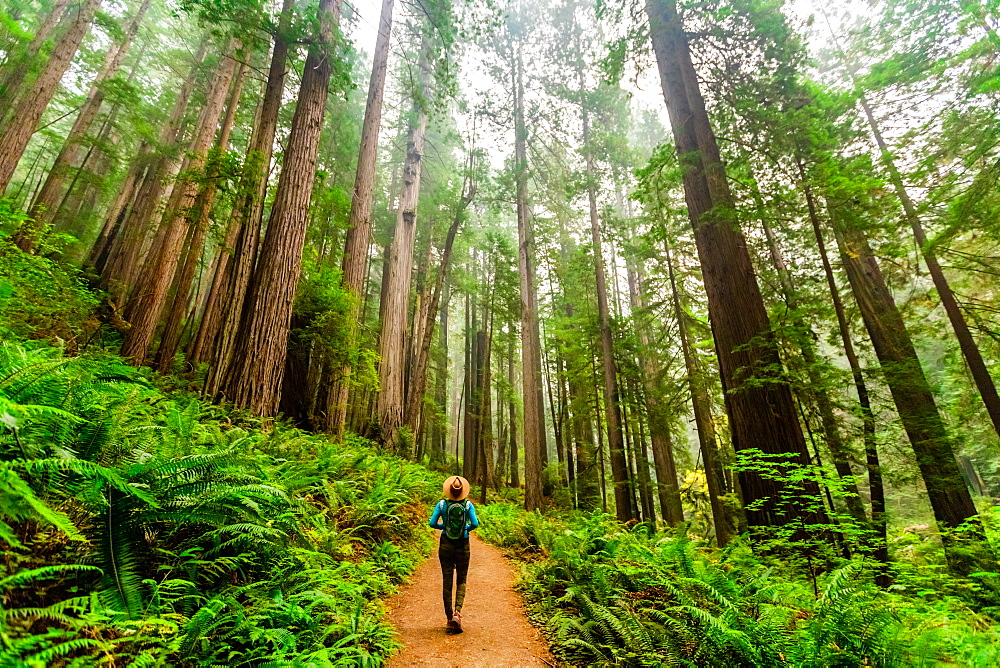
(497, 633)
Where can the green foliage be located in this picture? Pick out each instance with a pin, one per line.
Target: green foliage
(141, 527)
(39, 298)
(608, 595)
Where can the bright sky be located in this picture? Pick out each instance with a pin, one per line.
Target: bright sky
(646, 94)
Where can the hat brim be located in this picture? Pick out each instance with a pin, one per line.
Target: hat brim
(449, 492)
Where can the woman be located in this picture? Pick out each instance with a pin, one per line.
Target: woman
(455, 517)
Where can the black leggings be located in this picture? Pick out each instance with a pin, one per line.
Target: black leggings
(454, 557)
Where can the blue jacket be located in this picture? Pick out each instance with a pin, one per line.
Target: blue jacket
(437, 518)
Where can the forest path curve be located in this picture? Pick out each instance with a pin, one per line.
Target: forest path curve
(497, 632)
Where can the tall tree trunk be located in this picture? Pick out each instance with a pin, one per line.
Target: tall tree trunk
(439, 434)
(914, 401)
(29, 109)
(515, 477)
(148, 300)
(876, 489)
(970, 351)
(704, 424)
(392, 344)
(200, 348)
(667, 490)
(531, 354)
(817, 391)
(120, 271)
(99, 252)
(468, 422)
(253, 379)
(359, 223)
(418, 380)
(248, 210)
(484, 460)
(42, 211)
(200, 217)
(17, 66)
(624, 509)
(761, 411)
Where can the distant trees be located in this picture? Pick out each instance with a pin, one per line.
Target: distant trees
(25, 96)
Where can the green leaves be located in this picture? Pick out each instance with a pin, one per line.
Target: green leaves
(204, 543)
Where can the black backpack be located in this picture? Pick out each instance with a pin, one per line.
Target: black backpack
(456, 516)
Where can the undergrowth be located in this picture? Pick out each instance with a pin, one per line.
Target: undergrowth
(144, 528)
(613, 596)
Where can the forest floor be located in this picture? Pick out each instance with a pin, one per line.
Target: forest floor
(496, 630)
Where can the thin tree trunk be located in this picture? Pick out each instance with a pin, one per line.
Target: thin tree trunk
(253, 379)
(418, 381)
(970, 351)
(875, 486)
(817, 391)
(15, 70)
(704, 424)
(200, 217)
(531, 355)
(98, 256)
(667, 490)
(120, 271)
(29, 109)
(515, 479)
(467, 390)
(248, 210)
(359, 222)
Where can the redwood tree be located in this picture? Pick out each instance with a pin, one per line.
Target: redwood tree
(758, 401)
(254, 377)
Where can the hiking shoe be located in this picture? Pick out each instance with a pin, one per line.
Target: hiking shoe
(456, 623)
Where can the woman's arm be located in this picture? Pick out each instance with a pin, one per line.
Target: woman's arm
(473, 520)
(436, 521)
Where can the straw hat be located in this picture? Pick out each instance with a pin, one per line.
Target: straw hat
(456, 488)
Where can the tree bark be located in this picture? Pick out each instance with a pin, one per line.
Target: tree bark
(704, 424)
(531, 355)
(817, 391)
(149, 298)
(970, 351)
(514, 472)
(392, 344)
(761, 414)
(200, 217)
(468, 421)
(253, 379)
(624, 509)
(98, 256)
(120, 272)
(418, 380)
(15, 70)
(914, 401)
(360, 221)
(29, 109)
(667, 489)
(248, 210)
(879, 521)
